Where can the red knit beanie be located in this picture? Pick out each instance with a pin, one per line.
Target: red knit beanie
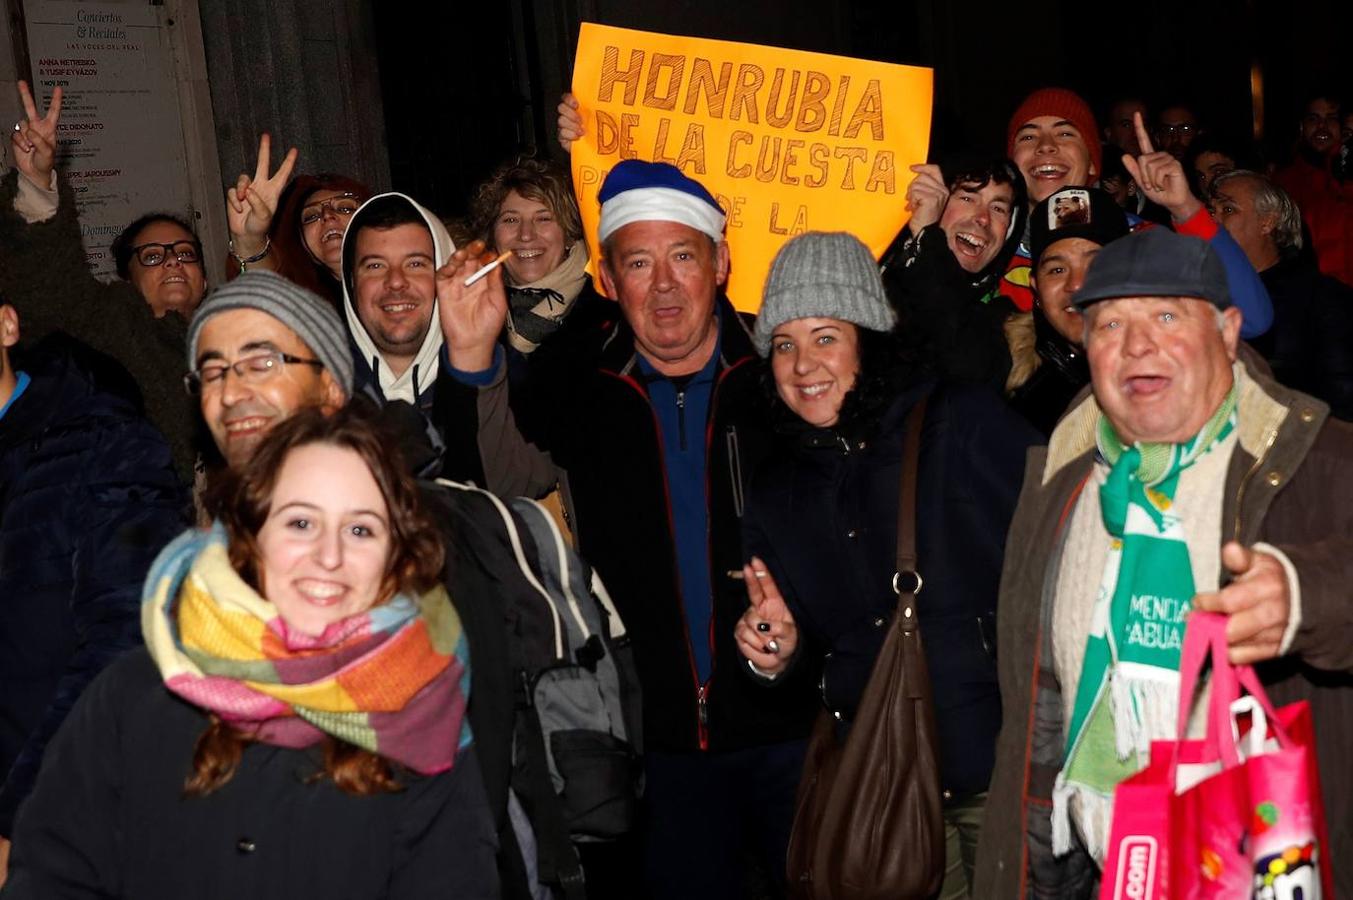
(1065, 105)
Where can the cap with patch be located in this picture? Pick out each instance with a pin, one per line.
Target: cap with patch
(1087, 213)
(638, 191)
(1155, 263)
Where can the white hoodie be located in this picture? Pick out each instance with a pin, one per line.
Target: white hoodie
(419, 377)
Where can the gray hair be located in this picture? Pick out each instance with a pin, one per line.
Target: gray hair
(1269, 200)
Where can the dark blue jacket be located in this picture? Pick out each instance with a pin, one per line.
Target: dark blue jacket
(88, 496)
(823, 517)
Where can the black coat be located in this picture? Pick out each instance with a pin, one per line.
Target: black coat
(108, 817)
(951, 320)
(1061, 375)
(43, 274)
(585, 402)
(1310, 345)
(823, 517)
(88, 496)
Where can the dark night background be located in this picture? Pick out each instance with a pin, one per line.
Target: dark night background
(466, 85)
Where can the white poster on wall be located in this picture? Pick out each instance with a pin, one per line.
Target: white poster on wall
(120, 142)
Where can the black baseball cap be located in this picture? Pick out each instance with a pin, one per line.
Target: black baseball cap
(1155, 262)
(1077, 212)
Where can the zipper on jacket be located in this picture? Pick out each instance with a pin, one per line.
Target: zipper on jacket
(1245, 482)
(681, 417)
(734, 467)
(702, 706)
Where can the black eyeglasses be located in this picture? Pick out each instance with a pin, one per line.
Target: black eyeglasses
(152, 255)
(343, 205)
(250, 370)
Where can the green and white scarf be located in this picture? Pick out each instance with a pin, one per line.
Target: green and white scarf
(1128, 694)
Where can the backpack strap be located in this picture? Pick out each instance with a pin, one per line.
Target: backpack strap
(528, 572)
(541, 525)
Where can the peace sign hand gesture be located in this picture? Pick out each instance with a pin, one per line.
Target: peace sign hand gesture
(34, 139)
(252, 202)
(1161, 176)
(766, 633)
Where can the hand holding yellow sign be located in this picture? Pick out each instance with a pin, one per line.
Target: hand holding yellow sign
(787, 141)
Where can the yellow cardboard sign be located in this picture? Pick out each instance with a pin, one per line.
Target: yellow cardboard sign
(787, 141)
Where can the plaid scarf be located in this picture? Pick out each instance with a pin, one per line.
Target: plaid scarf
(1128, 692)
(393, 680)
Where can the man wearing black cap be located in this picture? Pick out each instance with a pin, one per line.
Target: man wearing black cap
(1049, 371)
(1248, 468)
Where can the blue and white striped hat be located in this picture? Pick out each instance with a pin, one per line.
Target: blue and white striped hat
(638, 191)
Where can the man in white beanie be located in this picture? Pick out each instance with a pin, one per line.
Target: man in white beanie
(656, 423)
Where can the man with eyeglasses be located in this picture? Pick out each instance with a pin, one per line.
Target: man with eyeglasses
(88, 497)
(1314, 180)
(261, 349)
(139, 321)
(1176, 128)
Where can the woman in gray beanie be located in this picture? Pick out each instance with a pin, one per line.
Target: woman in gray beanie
(820, 525)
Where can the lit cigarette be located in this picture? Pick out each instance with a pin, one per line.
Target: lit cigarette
(489, 268)
(735, 574)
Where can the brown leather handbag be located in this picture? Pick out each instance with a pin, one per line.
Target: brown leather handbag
(867, 822)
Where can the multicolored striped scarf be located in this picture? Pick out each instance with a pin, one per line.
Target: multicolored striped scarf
(393, 680)
(1128, 692)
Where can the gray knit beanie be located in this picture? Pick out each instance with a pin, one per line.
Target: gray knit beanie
(828, 275)
(304, 312)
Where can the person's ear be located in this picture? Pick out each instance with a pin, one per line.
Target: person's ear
(9, 326)
(1230, 330)
(607, 278)
(721, 262)
(332, 396)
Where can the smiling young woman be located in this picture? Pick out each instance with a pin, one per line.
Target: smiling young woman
(295, 725)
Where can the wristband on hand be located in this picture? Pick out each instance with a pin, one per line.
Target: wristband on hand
(244, 261)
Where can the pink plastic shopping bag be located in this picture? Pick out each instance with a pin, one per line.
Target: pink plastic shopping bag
(1235, 815)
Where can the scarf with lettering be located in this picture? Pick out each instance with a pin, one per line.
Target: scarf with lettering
(536, 310)
(393, 680)
(1128, 693)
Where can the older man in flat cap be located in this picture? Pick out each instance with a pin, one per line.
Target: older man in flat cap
(1254, 477)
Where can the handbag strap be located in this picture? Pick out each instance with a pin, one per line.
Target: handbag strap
(907, 581)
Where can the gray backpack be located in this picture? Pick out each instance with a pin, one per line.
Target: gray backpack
(577, 741)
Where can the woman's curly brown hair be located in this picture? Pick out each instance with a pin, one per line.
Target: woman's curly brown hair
(534, 179)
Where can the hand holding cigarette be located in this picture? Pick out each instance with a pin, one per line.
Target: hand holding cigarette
(471, 306)
(766, 634)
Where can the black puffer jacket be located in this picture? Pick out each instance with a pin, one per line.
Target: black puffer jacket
(1061, 375)
(268, 833)
(823, 516)
(88, 497)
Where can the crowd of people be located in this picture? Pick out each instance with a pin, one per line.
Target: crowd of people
(256, 642)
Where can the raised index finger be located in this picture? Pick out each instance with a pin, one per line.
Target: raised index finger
(1143, 137)
(29, 108)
